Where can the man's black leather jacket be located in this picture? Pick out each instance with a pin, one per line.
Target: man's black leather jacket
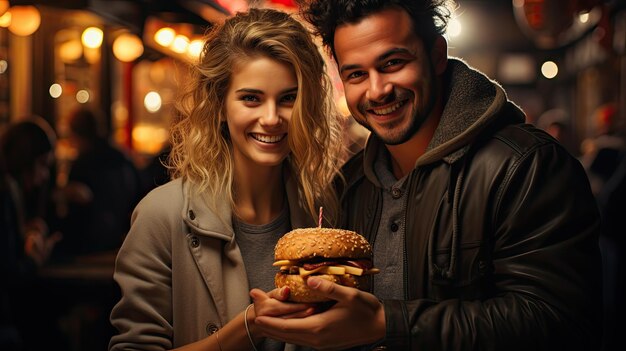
(501, 249)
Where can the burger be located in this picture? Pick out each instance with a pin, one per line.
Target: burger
(340, 256)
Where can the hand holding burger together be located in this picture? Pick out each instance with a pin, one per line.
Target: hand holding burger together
(340, 256)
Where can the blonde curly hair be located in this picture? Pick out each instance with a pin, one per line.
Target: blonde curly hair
(201, 147)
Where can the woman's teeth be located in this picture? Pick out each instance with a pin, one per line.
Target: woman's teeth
(271, 139)
(388, 110)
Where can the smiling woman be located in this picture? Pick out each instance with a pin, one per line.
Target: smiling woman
(259, 104)
(257, 127)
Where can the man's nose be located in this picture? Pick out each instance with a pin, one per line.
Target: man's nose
(379, 88)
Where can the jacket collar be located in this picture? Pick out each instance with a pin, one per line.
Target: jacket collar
(204, 219)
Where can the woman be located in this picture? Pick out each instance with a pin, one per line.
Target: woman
(253, 155)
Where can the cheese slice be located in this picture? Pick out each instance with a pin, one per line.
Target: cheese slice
(284, 263)
(352, 270)
(334, 270)
(372, 271)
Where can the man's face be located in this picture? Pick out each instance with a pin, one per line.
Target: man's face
(387, 74)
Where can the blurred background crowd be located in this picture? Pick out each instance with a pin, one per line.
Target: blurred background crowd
(86, 92)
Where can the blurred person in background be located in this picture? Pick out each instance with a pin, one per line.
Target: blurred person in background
(26, 159)
(103, 186)
(28, 151)
(556, 122)
(601, 153)
(604, 159)
(254, 153)
(155, 172)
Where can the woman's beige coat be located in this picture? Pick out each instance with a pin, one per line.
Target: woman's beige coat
(180, 270)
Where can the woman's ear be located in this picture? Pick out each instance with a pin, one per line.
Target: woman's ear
(439, 55)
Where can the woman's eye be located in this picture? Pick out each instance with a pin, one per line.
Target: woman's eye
(249, 98)
(289, 98)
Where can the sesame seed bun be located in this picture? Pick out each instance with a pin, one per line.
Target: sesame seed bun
(306, 243)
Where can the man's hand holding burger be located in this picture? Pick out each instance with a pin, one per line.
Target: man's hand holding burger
(358, 318)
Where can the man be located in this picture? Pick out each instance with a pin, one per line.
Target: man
(484, 228)
(102, 190)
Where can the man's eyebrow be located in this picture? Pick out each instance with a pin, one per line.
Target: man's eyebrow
(382, 57)
(348, 67)
(394, 51)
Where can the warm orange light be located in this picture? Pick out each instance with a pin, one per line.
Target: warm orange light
(5, 20)
(25, 20)
(92, 37)
(71, 50)
(164, 36)
(180, 44)
(4, 6)
(127, 47)
(195, 48)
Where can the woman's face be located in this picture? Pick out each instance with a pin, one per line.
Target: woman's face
(259, 104)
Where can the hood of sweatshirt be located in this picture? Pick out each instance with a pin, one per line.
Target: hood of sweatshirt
(473, 102)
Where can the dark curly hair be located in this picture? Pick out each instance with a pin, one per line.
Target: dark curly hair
(25, 141)
(430, 17)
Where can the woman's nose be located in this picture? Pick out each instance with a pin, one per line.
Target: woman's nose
(270, 116)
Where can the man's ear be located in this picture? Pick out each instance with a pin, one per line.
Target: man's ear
(439, 55)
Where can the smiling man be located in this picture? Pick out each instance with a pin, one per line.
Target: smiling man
(484, 227)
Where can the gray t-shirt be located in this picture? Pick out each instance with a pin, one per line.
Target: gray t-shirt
(256, 243)
(388, 245)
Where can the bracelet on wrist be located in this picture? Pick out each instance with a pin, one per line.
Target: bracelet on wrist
(245, 323)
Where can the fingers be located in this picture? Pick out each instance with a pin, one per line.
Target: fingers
(329, 289)
(300, 314)
(266, 305)
(281, 294)
(35, 242)
(278, 294)
(258, 295)
(279, 326)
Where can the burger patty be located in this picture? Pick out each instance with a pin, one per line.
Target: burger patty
(310, 265)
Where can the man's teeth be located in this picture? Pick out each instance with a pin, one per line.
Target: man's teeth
(387, 110)
(268, 138)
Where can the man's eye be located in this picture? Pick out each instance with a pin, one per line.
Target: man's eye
(393, 65)
(393, 62)
(355, 75)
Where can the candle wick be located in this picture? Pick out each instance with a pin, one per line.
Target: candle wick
(319, 223)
